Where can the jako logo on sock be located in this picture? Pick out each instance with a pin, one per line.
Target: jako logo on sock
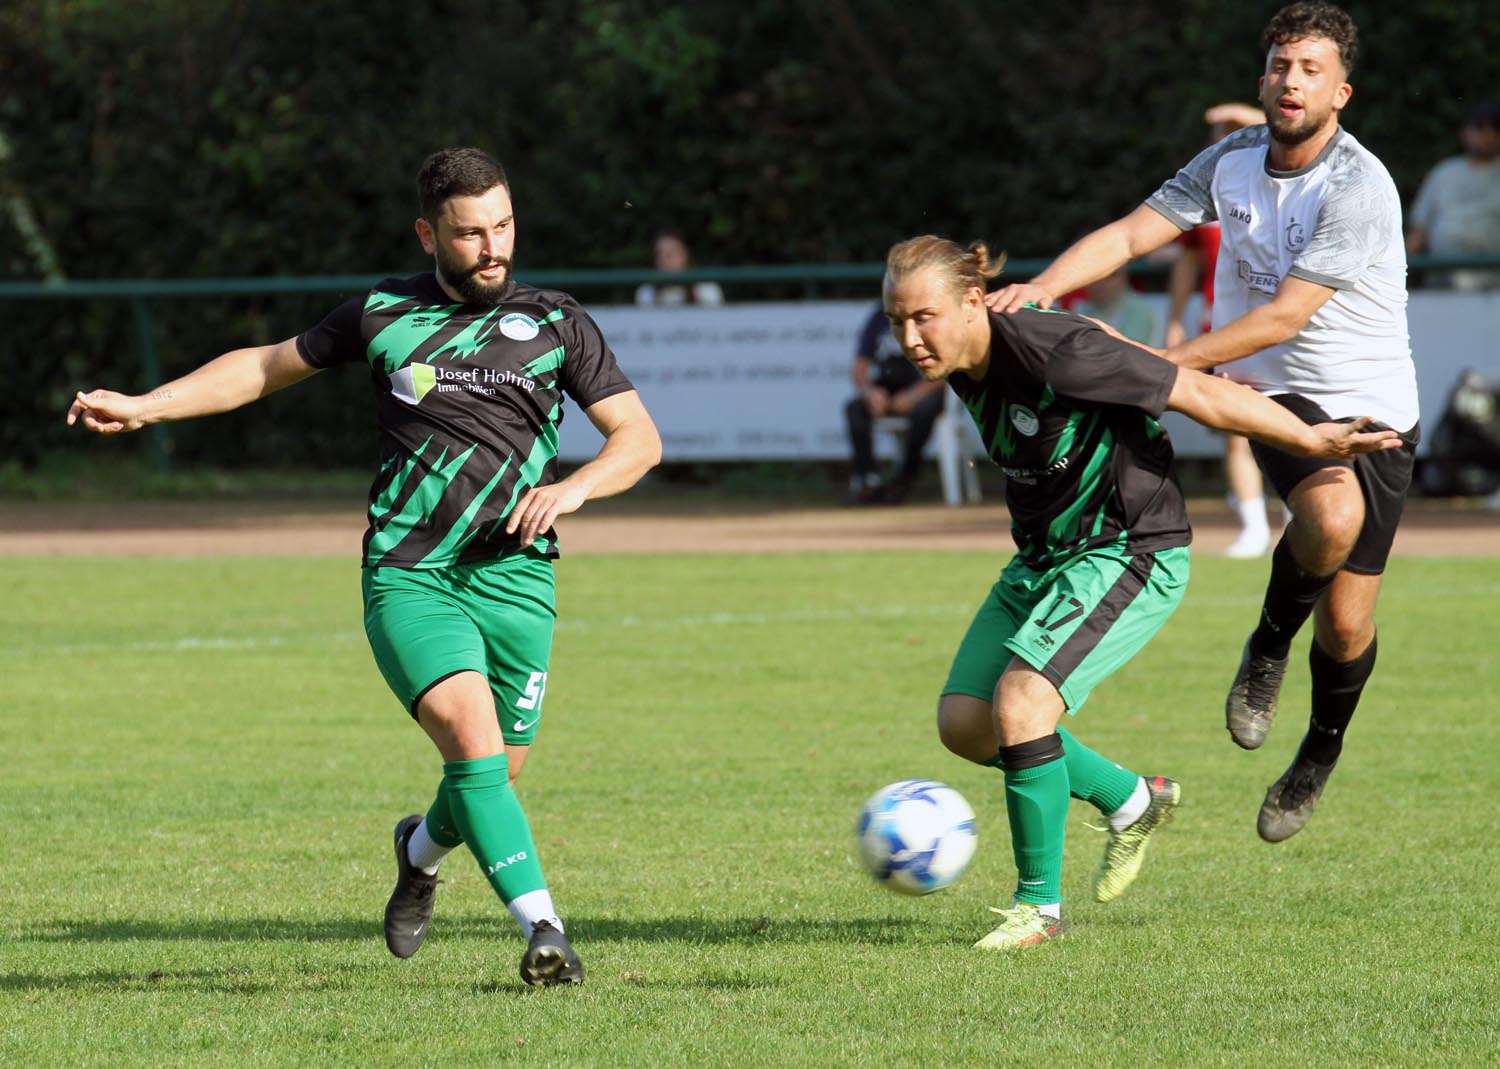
(497, 866)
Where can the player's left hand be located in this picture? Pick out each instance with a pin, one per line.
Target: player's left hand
(1017, 295)
(541, 505)
(1340, 441)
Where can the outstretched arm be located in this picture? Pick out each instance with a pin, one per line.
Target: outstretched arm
(1228, 406)
(631, 448)
(1270, 324)
(229, 381)
(1089, 259)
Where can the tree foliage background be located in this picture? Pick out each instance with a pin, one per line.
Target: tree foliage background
(156, 138)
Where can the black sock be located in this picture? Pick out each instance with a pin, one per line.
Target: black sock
(1336, 687)
(1291, 594)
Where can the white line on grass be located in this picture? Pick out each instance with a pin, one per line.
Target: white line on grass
(717, 619)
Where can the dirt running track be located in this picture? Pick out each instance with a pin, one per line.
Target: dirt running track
(303, 528)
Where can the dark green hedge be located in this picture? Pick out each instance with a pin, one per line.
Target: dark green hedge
(157, 138)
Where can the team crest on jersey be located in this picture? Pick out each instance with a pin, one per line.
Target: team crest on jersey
(1296, 235)
(1024, 420)
(518, 326)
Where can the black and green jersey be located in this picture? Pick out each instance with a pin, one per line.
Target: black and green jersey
(469, 401)
(1070, 414)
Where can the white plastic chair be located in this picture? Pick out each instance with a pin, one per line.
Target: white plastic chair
(956, 444)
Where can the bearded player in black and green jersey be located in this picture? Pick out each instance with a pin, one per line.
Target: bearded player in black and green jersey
(469, 368)
(1069, 411)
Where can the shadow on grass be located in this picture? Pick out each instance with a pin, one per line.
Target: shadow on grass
(746, 931)
(234, 980)
(240, 980)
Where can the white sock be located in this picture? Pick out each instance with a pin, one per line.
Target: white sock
(1049, 909)
(1134, 806)
(1252, 514)
(532, 908)
(422, 852)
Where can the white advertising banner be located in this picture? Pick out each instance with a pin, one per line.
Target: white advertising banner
(769, 381)
(737, 382)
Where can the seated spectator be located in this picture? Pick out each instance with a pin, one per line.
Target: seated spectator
(1457, 210)
(671, 255)
(887, 385)
(1114, 301)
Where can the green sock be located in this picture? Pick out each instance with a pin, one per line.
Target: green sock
(441, 827)
(1091, 778)
(491, 821)
(1036, 802)
(1095, 779)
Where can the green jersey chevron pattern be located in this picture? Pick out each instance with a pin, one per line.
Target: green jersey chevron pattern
(469, 402)
(1069, 414)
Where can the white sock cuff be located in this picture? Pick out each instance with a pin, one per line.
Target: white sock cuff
(1134, 806)
(532, 908)
(422, 852)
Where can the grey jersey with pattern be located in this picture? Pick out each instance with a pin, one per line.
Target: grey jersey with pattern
(1336, 223)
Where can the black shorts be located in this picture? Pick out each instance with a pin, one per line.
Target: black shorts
(1383, 479)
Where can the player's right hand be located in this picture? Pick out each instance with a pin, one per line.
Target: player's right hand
(1016, 296)
(106, 412)
(1344, 441)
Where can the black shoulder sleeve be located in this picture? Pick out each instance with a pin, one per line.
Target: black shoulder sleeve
(337, 339)
(1079, 359)
(589, 371)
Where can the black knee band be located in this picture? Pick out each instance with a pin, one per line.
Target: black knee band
(1030, 754)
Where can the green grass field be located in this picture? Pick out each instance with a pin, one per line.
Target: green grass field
(203, 768)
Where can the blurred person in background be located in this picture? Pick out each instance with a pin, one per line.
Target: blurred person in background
(1113, 300)
(1457, 210)
(670, 255)
(886, 385)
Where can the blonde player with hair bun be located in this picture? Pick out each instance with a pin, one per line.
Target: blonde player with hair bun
(1070, 412)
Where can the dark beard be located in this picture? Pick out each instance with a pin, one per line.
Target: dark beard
(1289, 132)
(473, 289)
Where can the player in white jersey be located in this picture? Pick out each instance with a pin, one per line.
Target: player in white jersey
(1309, 308)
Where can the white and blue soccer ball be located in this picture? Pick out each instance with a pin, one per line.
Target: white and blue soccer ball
(916, 836)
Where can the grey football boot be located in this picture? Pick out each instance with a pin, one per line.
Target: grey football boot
(1250, 708)
(1290, 800)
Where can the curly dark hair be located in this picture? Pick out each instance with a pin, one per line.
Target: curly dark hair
(455, 172)
(1298, 21)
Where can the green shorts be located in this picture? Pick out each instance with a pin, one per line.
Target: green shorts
(1074, 623)
(492, 617)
